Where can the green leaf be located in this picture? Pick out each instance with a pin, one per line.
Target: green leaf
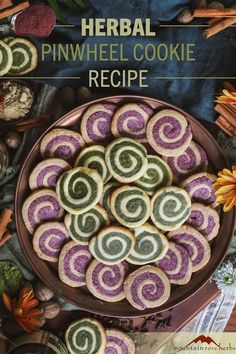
(58, 12)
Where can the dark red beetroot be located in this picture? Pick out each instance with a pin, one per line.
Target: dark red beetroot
(38, 20)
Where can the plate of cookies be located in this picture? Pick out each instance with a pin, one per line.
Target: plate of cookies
(115, 207)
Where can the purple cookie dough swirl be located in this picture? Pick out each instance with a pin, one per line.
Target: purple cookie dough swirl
(106, 281)
(199, 187)
(196, 245)
(176, 264)
(48, 240)
(46, 173)
(169, 133)
(192, 160)
(41, 206)
(73, 262)
(205, 219)
(62, 143)
(118, 342)
(130, 120)
(96, 123)
(147, 287)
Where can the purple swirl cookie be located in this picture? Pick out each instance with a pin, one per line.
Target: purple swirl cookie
(200, 189)
(176, 264)
(62, 143)
(205, 219)
(48, 240)
(106, 282)
(118, 342)
(73, 262)
(96, 123)
(197, 246)
(169, 133)
(130, 120)
(192, 160)
(41, 206)
(46, 173)
(147, 287)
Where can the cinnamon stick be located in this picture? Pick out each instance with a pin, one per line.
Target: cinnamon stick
(226, 113)
(214, 12)
(219, 26)
(14, 9)
(222, 123)
(5, 3)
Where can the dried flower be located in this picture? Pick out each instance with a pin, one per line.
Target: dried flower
(24, 310)
(225, 187)
(225, 278)
(227, 97)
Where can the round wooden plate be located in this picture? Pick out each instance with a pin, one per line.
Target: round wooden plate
(81, 296)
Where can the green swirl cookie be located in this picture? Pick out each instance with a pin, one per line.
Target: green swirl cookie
(150, 245)
(170, 208)
(94, 157)
(126, 159)
(105, 201)
(157, 175)
(112, 244)
(79, 190)
(85, 336)
(82, 227)
(130, 206)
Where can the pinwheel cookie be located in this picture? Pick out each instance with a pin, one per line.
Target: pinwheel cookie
(130, 206)
(73, 262)
(49, 239)
(96, 123)
(130, 120)
(81, 227)
(147, 287)
(197, 246)
(46, 173)
(112, 244)
(158, 174)
(170, 208)
(150, 245)
(62, 143)
(199, 187)
(169, 133)
(204, 219)
(41, 206)
(126, 159)
(106, 281)
(86, 336)
(176, 264)
(191, 161)
(79, 190)
(94, 157)
(119, 342)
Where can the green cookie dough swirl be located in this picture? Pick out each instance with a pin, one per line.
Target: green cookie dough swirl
(94, 157)
(105, 201)
(130, 206)
(150, 245)
(170, 208)
(112, 244)
(6, 58)
(82, 227)
(25, 56)
(79, 190)
(85, 336)
(126, 159)
(157, 175)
